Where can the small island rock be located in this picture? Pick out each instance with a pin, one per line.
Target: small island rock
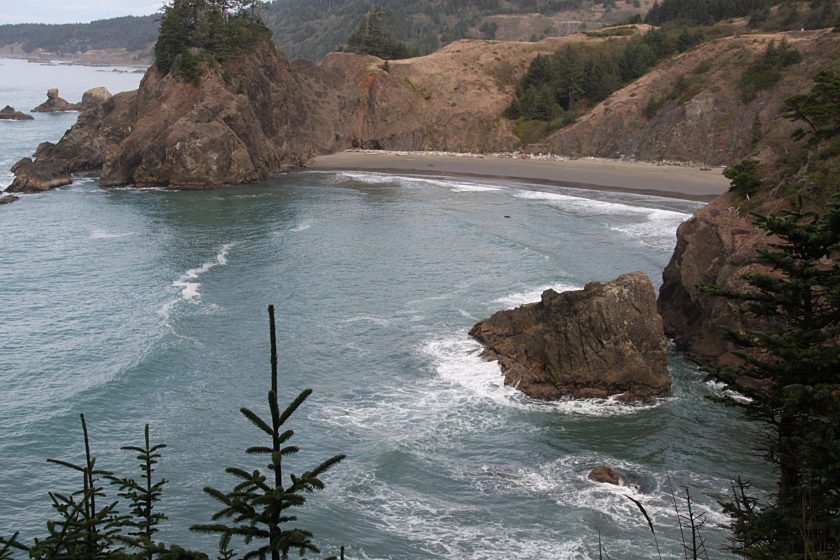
(604, 475)
(10, 114)
(604, 340)
(31, 177)
(54, 104)
(7, 198)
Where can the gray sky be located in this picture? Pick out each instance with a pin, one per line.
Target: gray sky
(70, 11)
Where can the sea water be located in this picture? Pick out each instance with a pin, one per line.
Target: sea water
(149, 306)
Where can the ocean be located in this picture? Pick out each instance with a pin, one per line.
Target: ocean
(148, 306)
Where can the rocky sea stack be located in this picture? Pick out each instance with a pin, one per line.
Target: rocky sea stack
(601, 341)
(55, 104)
(9, 113)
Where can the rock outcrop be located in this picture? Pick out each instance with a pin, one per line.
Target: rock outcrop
(597, 342)
(717, 246)
(7, 198)
(95, 97)
(10, 114)
(55, 104)
(604, 475)
(82, 148)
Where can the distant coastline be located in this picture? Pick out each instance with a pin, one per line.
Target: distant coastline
(108, 57)
(690, 182)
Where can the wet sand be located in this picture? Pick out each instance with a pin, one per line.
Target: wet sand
(676, 181)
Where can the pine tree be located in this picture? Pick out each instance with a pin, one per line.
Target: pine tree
(259, 507)
(791, 376)
(143, 496)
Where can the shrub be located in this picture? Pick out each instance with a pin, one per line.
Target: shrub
(745, 177)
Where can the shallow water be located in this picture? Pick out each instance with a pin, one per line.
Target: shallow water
(149, 306)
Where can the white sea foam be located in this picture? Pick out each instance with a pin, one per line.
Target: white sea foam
(453, 184)
(530, 296)
(300, 227)
(187, 283)
(654, 226)
(445, 528)
(102, 234)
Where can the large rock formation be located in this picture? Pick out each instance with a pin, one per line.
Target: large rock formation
(10, 114)
(600, 341)
(55, 104)
(717, 246)
(82, 148)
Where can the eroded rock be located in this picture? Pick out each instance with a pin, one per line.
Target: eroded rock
(32, 177)
(10, 114)
(7, 198)
(604, 340)
(605, 475)
(55, 104)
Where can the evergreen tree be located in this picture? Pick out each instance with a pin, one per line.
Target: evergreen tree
(791, 376)
(374, 37)
(259, 507)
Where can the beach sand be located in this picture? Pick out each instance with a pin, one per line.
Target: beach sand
(677, 181)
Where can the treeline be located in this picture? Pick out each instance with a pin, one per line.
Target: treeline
(767, 15)
(198, 33)
(130, 32)
(559, 87)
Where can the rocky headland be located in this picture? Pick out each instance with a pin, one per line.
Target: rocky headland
(9, 113)
(602, 341)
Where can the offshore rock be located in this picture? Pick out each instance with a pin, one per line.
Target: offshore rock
(7, 198)
(604, 475)
(604, 340)
(10, 114)
(55, 104)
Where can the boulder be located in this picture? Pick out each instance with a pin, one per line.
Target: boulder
(96, 96)
(55, 104)
(7, 198)
(604, 340)
(10, 114)
(32, 177)
(604, 475)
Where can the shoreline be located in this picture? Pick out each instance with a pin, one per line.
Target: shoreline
(647, 178)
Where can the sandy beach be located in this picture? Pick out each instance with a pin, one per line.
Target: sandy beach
(693, 183)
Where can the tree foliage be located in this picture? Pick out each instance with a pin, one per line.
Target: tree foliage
(89, 526)
(196, 33)
(578, 76)
(374, 37)
(791, 377)
(259, 507)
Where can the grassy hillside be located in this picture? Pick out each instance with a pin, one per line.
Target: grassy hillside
(312, 28)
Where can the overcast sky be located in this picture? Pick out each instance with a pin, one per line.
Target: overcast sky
(71, 11)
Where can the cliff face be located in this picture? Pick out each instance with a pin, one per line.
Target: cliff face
(600, 341)
(705, 122)
(717, 246)
(257, 122)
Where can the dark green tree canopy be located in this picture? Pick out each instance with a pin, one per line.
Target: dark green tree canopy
(197, 33)
(374, 36)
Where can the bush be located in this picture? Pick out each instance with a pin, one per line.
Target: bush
(767, 70)
(745, 177)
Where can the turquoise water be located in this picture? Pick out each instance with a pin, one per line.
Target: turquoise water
(137, 306)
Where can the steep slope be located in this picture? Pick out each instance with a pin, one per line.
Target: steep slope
(700, 117)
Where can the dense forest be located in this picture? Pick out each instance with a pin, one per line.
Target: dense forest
(313, 28)
(767, 15)
(130, 32)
